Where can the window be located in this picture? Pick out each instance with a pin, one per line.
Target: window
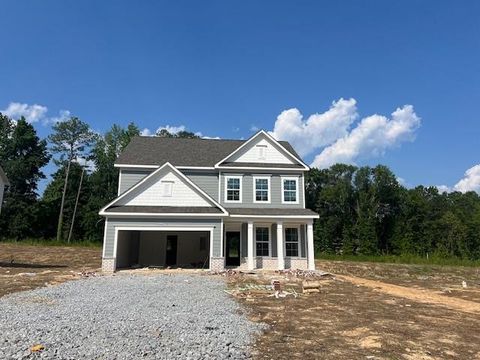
(290, 190)
(262, 152)
(167, 188)
(291, 242)
(233, 192)
(262, 189)
(262, 241)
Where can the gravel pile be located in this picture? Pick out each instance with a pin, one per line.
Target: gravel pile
(126, 317)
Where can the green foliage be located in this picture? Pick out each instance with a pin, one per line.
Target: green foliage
(180, 134)
(22, 155)
(366, 212)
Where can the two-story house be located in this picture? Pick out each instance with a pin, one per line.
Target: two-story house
(3, 182)
(211, 204)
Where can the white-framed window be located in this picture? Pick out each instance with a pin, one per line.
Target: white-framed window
(290, 190)
(262, 241)
(233, 189)
(167, 188)
(261, 189)
(262, 152)
(292, 241)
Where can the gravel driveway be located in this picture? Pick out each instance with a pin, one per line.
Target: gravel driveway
(126, 317)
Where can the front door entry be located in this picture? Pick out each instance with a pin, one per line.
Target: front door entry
(171, 255)
(232, 248)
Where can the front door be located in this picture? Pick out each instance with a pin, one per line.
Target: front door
(171, 255)
(232, 248)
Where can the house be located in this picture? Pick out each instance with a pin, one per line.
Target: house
(211, 204)
(3, 182)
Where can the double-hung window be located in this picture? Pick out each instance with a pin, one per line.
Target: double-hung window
(291, 242)
(262, 189)
(262, 241)
(233, 189)
(290, 190)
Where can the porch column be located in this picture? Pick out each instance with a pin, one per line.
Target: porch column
(310, 248)
(250, 259)
(280, 255)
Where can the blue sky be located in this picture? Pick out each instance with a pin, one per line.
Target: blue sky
(225, 67)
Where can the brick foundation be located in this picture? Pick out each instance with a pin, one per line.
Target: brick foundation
(296, 263)
(108, 265)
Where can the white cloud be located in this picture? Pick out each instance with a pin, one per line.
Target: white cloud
(318, 130)
(371, 137)
(34, 113)
(254, 128)
(443, 188)
(470, 181)
(174, 130)
(146, 132)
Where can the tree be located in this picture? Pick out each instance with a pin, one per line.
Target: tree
(181, 134)
(70, 139)
(22, 155)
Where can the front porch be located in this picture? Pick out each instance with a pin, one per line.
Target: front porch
(268, 244)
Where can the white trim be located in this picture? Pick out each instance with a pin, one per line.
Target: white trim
(222, 240)
(255, 177)
(119, 182)
(282, 179)
(104, 238)
(240, 177)
(269, 227)
(303, 190)
(135, 166)
(262, 132)
(146, 178)
(275, 216)
(289, 226)
(164, 228)
(219, 187)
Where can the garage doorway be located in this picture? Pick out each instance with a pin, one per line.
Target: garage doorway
(163, 249)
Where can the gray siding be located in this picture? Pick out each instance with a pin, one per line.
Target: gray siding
(129, 178)
(275, 191)
(208, 182)
(109, 240)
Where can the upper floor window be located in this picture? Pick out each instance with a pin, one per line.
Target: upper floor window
(262, 152)
(290, 190)
(262, 241)
(262, 189)
(233, 189)
(291, 242)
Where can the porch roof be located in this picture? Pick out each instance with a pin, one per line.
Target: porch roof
(272, 212)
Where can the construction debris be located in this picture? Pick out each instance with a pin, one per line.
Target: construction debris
(309, 286)
(37, 348)
(303, 273)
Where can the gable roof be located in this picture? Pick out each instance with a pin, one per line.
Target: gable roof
(4, 177)
(155, 151)
(186, 180)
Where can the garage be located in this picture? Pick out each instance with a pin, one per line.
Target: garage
(162, 249)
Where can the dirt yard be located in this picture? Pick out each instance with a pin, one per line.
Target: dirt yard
(364, 311)
(25, 267)
(370, 311)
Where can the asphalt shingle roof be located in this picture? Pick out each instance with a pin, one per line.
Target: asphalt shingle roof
(146, 150)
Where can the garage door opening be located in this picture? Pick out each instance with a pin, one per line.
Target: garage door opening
(163, 249)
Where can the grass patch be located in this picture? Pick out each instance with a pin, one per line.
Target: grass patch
(401, 259)
(53, 242)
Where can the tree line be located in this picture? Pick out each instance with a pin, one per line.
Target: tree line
(366, 211)
(363, 210)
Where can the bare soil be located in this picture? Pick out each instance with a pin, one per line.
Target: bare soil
(355, 315)
(24, 267)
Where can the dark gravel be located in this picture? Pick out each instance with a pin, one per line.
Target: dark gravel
(126, 317)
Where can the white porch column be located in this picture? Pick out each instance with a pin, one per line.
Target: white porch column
(310, 248)
(250, 246)
(280, 255)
